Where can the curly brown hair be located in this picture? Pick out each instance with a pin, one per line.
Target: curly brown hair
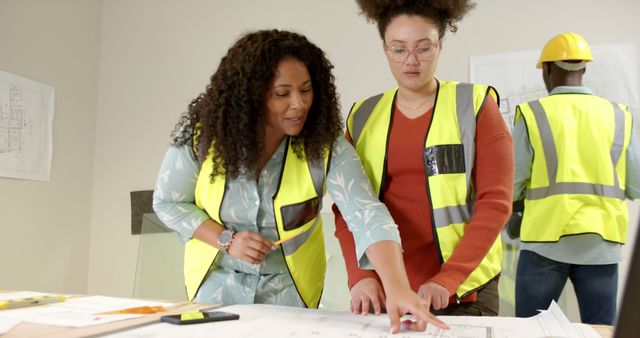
(229, 115)
(445, 13)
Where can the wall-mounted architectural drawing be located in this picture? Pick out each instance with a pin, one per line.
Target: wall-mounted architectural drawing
(26, 118)
(612, 74)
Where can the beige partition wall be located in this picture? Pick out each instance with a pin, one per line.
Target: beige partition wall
(44, 226)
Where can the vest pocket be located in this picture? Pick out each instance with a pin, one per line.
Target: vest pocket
(444, 159)
(299, 214)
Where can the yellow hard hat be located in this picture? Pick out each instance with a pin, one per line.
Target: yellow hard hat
(566, 46)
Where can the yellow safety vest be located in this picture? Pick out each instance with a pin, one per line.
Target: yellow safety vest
(578, 172)
(296, 203)
(448, 157)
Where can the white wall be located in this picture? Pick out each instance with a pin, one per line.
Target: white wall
(153, 57)
(44, 226)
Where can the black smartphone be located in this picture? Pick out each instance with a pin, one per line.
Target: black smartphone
(195, 317)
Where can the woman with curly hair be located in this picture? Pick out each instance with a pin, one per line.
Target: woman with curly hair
(440, 157)
(243, 180)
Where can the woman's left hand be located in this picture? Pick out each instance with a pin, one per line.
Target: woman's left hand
(402, 301)
(436, 294)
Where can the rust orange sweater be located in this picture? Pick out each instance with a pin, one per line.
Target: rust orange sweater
(405, 195)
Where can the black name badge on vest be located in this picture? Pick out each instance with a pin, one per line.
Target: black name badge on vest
(444, 159)
(299, 214)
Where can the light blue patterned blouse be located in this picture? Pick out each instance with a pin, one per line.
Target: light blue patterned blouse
(248, 205)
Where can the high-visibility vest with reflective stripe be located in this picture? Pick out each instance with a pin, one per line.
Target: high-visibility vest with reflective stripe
(297, 203)
(578, 172)
(449, 157)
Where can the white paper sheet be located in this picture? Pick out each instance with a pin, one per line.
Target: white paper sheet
(26, 119)
(7, 324)
(278, 321)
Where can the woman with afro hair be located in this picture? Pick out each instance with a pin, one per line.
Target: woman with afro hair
(440, 157)
(243, 180)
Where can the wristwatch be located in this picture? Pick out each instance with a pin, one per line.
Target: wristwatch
(224, 239)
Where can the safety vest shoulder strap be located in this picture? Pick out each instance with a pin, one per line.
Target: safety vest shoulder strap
(362, 111)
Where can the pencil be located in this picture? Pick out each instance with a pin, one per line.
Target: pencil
(30, 301)
(141, 310)
(278, 242)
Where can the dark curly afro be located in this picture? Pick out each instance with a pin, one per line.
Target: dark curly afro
(445, 13)
(228, 118)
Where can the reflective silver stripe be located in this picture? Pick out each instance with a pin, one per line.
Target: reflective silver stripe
(548, 143)
(317, 174)
(618, 141)
(452, 214)
(551, 157)
(467, 125)
(361, 115)
(291, 246)
(575, 188)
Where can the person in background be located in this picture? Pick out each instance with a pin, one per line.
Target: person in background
(440, 157)
(587, 160)
(248, 165)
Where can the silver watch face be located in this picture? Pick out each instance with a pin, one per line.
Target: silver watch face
(225, 238)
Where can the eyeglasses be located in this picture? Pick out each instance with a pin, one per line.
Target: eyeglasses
(422, 52)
